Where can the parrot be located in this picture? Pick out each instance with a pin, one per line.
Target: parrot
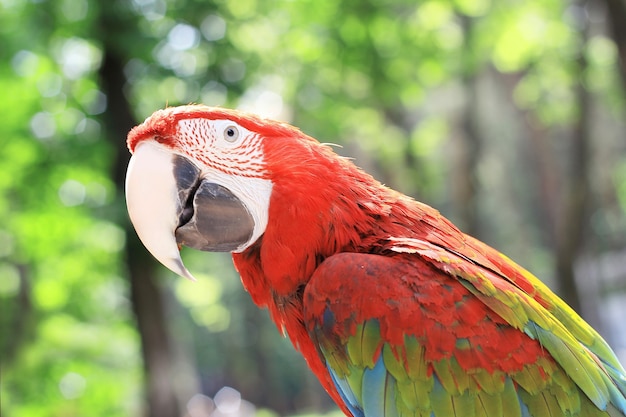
(395, 310)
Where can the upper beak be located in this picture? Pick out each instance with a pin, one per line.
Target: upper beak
(170, 204)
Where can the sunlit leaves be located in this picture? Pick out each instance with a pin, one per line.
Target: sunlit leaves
(352, 31)
(180, 53)
(243, 9)
(515, 48)
(58, 256)
(601, 51)
(257, 36)
(10, 283)
(619, 178)
(600, 76)
(308, 40)
(427, 136)
(213, 27)
(73, 10)
(551, 97)
(203, 299)
(473, 8)
(76, 56)
(433, 14)
(77, 370)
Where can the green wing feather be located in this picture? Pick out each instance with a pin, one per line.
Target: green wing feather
(578, 349)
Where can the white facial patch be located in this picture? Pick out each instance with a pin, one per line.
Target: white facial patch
(254, 193)
(237, 165)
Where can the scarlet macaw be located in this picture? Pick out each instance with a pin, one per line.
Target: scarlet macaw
(395, 310)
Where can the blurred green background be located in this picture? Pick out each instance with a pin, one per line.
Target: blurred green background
(509, 116)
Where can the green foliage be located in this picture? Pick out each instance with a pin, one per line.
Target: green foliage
(68, 345)
(387, 80)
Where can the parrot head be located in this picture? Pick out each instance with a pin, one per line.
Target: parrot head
(200, 177)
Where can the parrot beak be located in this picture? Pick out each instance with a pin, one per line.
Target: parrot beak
(170, 204)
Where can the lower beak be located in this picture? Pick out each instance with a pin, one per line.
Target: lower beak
(170, 204)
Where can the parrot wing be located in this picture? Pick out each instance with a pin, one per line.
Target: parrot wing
(427, 331)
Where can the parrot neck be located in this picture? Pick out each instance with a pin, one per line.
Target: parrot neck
(316, 210)
(321, 204)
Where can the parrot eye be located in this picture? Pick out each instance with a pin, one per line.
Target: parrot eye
(231, 134)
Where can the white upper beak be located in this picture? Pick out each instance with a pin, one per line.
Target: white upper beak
(151, 198)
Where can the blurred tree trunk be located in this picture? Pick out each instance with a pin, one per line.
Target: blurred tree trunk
(543, 163)
(616, 15)
(565, 209)
(145, 294)
(563, 196)
(468, 154)
(574, 212)
(17, 315)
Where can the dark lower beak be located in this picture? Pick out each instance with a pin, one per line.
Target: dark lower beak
(218, 222)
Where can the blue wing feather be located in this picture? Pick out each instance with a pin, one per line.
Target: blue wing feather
(378, 388)
(346, 393)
